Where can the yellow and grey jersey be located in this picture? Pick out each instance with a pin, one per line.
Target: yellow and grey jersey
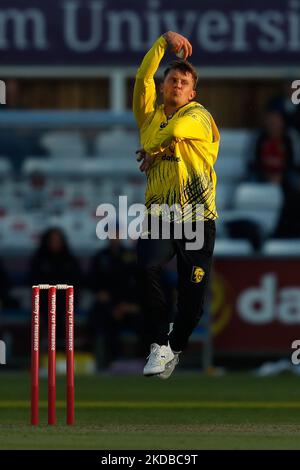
(184, 147)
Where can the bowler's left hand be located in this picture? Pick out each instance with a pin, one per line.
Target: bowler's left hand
(145, 158)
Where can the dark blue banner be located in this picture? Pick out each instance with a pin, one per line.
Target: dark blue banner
(119, 32)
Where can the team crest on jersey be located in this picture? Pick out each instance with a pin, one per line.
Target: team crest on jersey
(197, 274)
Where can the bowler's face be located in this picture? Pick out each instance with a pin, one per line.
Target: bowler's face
(178, 88)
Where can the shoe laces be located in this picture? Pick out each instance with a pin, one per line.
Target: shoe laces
(155, 350)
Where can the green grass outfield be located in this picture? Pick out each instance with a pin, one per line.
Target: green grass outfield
(188, 411)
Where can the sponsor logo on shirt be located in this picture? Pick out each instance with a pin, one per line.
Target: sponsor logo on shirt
(170, 158)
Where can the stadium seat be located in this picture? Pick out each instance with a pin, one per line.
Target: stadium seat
(21, 231)
(230, 169)
(224, 196)
(57, 200)
(134, 192)
(5, 168)
(67, 144)
(258, 202)
(117, 143)
(221, 228)
(282, 247)
(234, 143)
(80, 231)
(79, 196)
(258, 196)
(265, 219)
(104, 192)
(225, 247)
(11, 197)
(60, 168)
(112, 167)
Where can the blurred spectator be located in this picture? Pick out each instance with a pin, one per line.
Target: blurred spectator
(275, 161)
(112, 279)
(274, 153)
(54, 263)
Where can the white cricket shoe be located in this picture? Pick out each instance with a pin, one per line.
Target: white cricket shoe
(158, 358)
(169, 367)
